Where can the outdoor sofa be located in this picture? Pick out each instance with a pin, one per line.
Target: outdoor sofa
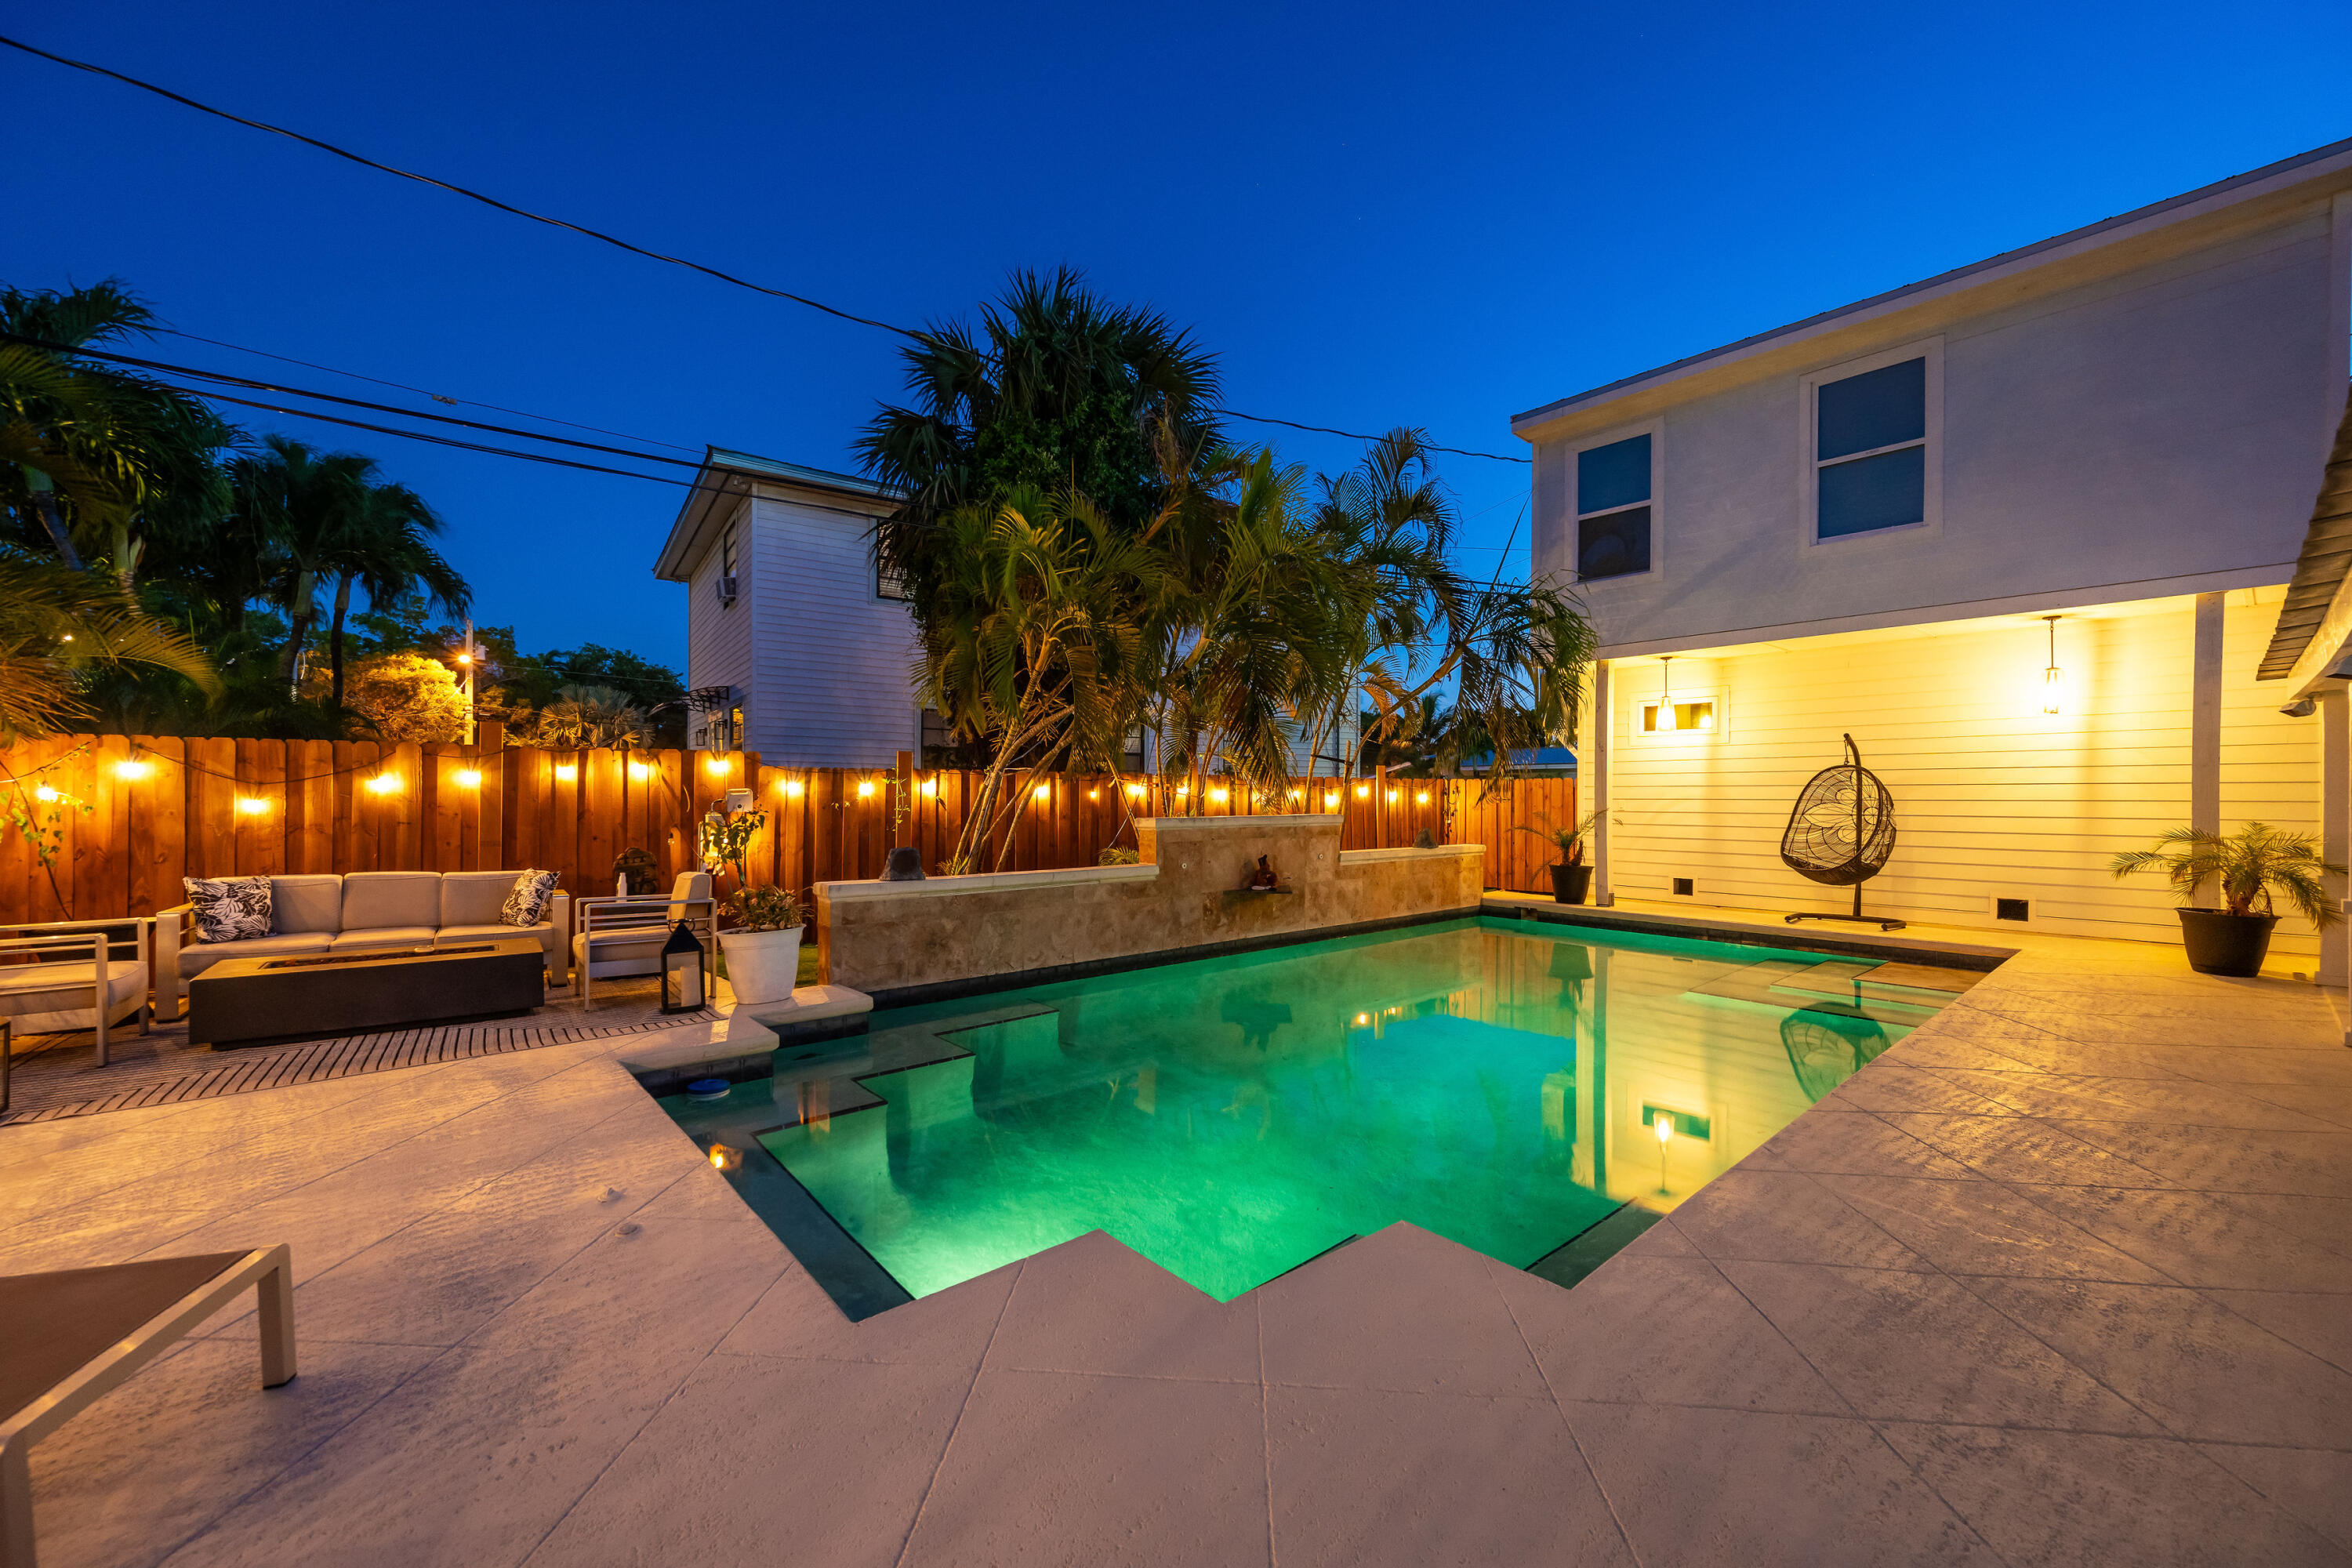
(355, 912)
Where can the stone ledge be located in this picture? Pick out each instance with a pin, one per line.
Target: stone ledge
(1406, 852)
(1291, 819)
(984, 882)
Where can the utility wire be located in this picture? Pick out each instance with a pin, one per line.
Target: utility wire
(420, 391)
(581, 229)
(428, 437)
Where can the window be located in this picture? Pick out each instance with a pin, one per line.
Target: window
(889, 584)
(1870, 449)
(727, 552)
(1688, 718)
(1612, 509)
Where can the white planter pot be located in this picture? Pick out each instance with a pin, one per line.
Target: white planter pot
(761, 965)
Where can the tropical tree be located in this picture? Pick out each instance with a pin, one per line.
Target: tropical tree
(383, 547)
(57, 625)
(299, 506)
(1057, 390)
(579, 718)
(1042, 657)
(139, 458)
(408, 697)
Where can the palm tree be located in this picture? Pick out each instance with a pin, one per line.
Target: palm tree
(304, 504)
(1043, 658)
(384, 548)
(1057, 390)
(581, 718)
(152, 451)
(56, 624)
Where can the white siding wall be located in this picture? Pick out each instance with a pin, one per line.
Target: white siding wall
(1992, 796)
(718, 639)
(2149, 429)
(833, 684)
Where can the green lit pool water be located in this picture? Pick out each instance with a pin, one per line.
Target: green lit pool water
(1496, 1081)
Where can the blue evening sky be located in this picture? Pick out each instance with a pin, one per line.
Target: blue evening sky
(1378, 215)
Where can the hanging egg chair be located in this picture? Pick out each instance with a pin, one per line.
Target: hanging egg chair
(1825, 1048)
(1841, 832)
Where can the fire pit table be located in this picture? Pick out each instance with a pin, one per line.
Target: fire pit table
(259, 1001)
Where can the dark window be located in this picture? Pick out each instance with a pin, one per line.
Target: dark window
(1871, 445)
(2011, 909)
(1612, 512)
(1612, 476)
(726, 553)
(888, 585)
(1613, 543)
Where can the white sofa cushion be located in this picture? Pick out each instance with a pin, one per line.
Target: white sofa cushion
(50, 998)
(473, 898)
(382, 936)
(197, 957)
(381, 900)
(303, 904)
(622, 953)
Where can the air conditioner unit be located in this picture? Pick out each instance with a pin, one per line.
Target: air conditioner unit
(726, 587)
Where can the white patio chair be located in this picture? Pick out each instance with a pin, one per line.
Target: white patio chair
(611, 937)
(46, 987)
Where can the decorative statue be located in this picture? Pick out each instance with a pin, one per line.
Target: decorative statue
(1263, 879)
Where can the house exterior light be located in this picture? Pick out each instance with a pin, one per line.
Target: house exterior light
(567, 771)
(470, 778)
(2053, 679)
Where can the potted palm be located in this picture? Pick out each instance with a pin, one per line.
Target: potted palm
(2245, 867)
(763, 948)
(1571, 878)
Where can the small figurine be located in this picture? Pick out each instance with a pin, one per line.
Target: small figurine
(1263, 880)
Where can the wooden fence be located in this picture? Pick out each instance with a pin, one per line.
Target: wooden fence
(134, 815)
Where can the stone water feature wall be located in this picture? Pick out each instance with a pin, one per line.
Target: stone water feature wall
(1189, 891)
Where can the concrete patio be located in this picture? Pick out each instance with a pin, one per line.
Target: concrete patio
(2064, 1277)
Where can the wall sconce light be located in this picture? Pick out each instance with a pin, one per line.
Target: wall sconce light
(567, 772)
(45, 793)
(1363, 792)
(1421, 799)
(134, 768)
(1042, 792)
(383, 784)
(251, 806)
(469, 778)
(715, 764)
(723, 1158)
(640, 771)
(866, 789)
(2053, 679)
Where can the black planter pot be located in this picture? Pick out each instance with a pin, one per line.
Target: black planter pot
(1570, 883)
(2219, 942)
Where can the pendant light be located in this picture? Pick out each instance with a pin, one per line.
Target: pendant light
(1665, 693)
(2053, 679)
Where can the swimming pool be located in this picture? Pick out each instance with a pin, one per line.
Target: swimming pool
(1500, 1082)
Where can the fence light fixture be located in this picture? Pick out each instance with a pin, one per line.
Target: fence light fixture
(866, 789)
(723, 1158)
(639, 771)
(251, 806)
(1363, 792)
(1043, 792)
(930, 787)
(1393, 794)
(792, 788)
(1421, 799)
(1220, 795)
(383, 784)
(715, 763)
(1134, 792)
(134, 768)
(45, 794)
(1331, 801)
(469, 778)
(567, 771)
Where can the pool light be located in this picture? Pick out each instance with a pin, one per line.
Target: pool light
(724, 1158)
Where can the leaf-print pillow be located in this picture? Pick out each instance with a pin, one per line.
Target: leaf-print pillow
(229, 909)
(527, 905)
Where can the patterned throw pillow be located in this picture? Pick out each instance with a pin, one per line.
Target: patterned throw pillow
(527, 905)
(229, 909)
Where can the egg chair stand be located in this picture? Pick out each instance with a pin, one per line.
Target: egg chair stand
(1841, 832)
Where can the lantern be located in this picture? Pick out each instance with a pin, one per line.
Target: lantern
(683, 985)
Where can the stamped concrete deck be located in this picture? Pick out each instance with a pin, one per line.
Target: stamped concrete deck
(2064, 1277)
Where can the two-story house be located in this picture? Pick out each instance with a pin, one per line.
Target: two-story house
(2023, 530)
(796, 647)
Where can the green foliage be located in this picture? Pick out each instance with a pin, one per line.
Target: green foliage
(404, 697)
(2246, 866)
(1120, 855)
(581, 717)
(58, 626)
(1568, 841)
(727, 841)
(763, 907)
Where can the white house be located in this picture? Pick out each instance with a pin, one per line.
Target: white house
(796, 647)
(2097, 456)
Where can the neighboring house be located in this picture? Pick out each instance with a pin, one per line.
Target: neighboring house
(796, 648)
(1864, 522)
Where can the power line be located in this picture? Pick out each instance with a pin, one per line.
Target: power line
(581, 229)
(427, 436)
(420, 391)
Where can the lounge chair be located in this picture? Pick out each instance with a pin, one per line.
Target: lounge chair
(49, 980)
(616, 936)
(74, 1335)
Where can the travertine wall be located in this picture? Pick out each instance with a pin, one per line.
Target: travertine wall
(881, 936)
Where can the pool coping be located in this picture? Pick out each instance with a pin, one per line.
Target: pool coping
(1950, 954)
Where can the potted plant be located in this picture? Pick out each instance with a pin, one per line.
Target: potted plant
(763, 949)
(1571, 878)
(2244, 866)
